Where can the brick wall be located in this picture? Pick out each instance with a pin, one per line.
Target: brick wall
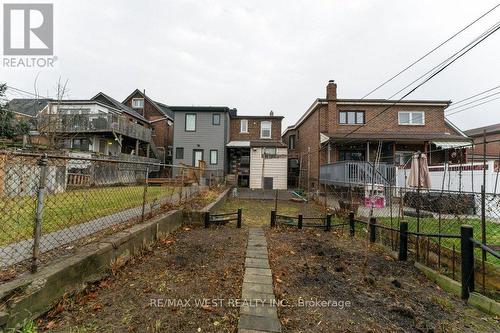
(254, 128)
(163, 134)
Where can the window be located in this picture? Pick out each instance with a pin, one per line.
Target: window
(291, 142)
(243, 126)
(214, 156)
(411, 118)
(190, 122)
(179, 153)
(81, 144)
(270, 151)
(265, 129)
(137, 103)
(216, 119)
(351, 117)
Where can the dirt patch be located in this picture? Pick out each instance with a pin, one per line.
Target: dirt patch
(191, 264)
(384, 295)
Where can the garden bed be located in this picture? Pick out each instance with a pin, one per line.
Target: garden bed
(383, 294)
(192, 263)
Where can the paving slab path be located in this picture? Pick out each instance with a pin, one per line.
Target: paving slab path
(258, 312)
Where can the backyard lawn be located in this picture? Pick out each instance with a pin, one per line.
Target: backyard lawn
(62, 210)
(258, 212)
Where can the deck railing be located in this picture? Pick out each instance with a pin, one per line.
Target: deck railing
(357, 172)
(90, 123)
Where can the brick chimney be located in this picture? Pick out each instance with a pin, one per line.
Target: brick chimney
(331, 90)
(331, 114)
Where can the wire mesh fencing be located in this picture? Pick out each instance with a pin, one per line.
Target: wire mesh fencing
(52, 204)
(434, 220)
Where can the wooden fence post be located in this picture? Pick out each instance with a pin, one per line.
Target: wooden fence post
(300, 221)
(403, 241)
(467, 250)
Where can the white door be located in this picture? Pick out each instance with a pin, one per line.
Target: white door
(198, 155)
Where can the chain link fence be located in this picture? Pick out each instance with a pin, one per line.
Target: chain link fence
(50, 205)
(434, 218)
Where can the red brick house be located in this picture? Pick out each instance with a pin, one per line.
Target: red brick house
(489, 133)
(335, 130)
(161, 120)
(257, 157)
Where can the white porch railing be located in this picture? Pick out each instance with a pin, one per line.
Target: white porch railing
(357, 173)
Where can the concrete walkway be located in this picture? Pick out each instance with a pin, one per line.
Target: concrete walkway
(258, 312)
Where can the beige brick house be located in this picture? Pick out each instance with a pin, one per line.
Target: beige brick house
(334, 131)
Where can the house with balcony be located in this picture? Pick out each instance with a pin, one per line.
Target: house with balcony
(101, 125)
(337, 141)
(161, 120)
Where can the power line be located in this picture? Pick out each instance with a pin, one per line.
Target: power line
(431, 51)
(473, 101)
(473, 106)
(454, 58)
(483, 92)
(485, 33)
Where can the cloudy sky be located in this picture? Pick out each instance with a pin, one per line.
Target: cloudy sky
(259, 56)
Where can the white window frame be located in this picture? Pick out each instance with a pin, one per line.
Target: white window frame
(410, 118)
(134, 100)
(244, 129)
(186, 122)
(262, 129)
(216, 156)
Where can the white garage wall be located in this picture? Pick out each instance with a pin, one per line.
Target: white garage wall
(273, 167)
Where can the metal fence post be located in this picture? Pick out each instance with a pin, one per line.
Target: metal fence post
(299, 224)
(37, 228)
(467, 250)
(144, 196)
(273, 218)
(373, 229)
(351, 224)
(207, 219)
(403, 241)
(328, 223)
(239, 218)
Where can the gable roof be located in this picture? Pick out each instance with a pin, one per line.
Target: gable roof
(162, 108)
(113, 102)
(27, 106)
(490, 129)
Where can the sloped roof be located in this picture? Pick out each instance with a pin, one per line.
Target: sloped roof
(490, 129)
(121, 106)
(163, 108)
(27, 106)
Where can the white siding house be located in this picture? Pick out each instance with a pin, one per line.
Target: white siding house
(268, 167)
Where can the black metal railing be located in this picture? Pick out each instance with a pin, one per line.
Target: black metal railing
(467, 245)
(223, 218)
(324, 222)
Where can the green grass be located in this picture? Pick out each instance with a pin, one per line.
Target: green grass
(450, 227)
(62, 210)
(258, 212)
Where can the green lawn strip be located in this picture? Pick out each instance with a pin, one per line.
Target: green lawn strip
(450, 227)
(69, 208)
